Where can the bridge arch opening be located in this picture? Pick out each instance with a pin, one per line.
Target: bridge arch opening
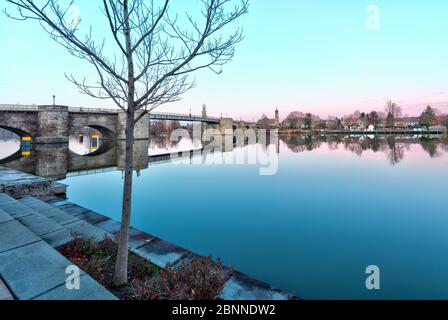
(15, 143)
(19, 132)
(90, 140)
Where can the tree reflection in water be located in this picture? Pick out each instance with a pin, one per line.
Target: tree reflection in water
(394, 147)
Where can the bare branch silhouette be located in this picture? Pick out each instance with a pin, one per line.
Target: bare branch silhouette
(145, 61)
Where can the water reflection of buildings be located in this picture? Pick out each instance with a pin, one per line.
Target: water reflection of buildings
(394, 147)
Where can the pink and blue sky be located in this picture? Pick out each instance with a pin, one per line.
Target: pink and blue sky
(308, 55)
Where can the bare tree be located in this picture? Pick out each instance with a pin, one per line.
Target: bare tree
(396, 151)
(152, 53)
(393, 112)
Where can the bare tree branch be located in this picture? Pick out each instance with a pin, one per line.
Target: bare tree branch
(145, 61)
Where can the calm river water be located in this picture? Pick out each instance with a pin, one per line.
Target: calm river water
(335, 206)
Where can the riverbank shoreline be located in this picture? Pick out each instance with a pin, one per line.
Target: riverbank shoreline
(238, 286)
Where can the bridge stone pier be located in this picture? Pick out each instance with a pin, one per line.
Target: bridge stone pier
(51, 160)
(226, 125)
(52, 125)
(141, 130)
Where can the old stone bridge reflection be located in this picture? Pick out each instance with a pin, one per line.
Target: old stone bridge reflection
(56, 161)
(45, 132)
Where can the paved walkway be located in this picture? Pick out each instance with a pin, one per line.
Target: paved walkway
(30, 267)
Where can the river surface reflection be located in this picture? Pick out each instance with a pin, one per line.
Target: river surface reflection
(335, 206)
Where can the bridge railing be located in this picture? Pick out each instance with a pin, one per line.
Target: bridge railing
(92, 110)
(180, 116)
(18, 107)
(152, 115)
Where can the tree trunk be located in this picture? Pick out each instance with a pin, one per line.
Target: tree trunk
(121, 266)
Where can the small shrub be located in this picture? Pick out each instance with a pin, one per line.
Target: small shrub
(199, 279)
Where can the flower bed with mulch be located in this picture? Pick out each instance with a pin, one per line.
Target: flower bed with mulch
(200, 279)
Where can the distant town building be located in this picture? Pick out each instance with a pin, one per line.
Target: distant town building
(276, 124)
(268, 123)
(407, 122)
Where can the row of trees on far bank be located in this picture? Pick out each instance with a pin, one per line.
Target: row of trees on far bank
(391, 117)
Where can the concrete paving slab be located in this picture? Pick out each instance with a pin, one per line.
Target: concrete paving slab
(89, 290)
(55, 201)
(58, 238)
(139, 238)
(92, 217)
(40, 224)
(4, 198)
(161, 253)
(4, 217)
(33, 270)
(47, 210)
(62, 217)
(74, 209)
(14, 235)
(81, 228)
(242, 287)
(111, 226)
(16, 209)
(136, 238)
(5, 294)
(87, 231)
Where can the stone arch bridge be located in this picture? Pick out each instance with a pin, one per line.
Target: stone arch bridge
(53, 123)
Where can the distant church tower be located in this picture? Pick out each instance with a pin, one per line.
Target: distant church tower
(204, 111)
(277, 119)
